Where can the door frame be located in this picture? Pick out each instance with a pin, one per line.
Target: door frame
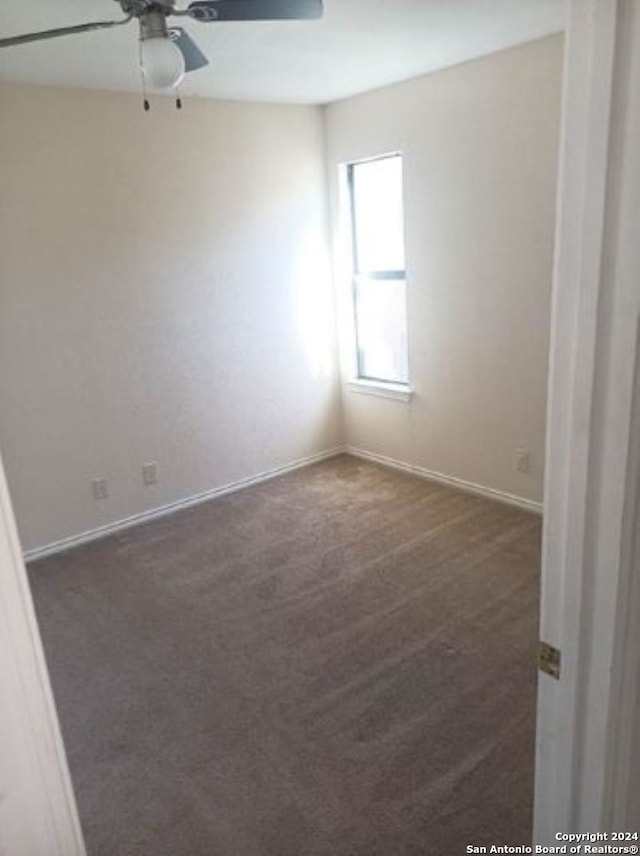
(588, 605)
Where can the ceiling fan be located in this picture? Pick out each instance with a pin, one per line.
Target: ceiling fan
(166, 53)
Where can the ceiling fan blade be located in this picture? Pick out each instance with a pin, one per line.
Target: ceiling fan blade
(61, 31)
(193, 56)
(255, 10)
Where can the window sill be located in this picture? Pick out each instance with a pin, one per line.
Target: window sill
(396, 391)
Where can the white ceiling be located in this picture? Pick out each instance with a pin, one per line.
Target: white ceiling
(359, 45)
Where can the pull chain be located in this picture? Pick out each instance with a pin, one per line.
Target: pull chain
(145, 102)
(145, 98)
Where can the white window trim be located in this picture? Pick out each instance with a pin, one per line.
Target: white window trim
(380, 388)
(360, 384)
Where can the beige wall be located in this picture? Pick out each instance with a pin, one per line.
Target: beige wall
(164, 286)
(480, 146)
(164, 296)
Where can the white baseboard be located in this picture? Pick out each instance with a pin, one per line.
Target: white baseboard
(451, 481)
(154, 513)
(162, 511)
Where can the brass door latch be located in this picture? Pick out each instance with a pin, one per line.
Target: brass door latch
(549, 660)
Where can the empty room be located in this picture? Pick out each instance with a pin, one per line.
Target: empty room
(275, 311)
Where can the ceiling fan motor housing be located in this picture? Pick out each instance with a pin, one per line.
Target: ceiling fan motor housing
(137, 8)
(153, 25)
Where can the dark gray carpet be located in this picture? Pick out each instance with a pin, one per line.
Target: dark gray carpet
(338, 662)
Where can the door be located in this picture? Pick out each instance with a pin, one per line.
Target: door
(37, 810)
(585, 726)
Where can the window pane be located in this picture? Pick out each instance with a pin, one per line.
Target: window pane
(381, 328)
(377, 203)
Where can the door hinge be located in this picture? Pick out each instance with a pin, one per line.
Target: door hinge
(549, 659)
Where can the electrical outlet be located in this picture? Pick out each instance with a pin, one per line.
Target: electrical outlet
(150, 473)
(523, 460)
(99, 488)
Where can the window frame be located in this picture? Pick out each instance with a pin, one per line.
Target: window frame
(399, 389)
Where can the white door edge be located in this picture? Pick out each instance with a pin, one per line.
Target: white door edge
(38, 815)
(591, 400)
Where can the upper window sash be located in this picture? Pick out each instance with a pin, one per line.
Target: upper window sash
(364, 241)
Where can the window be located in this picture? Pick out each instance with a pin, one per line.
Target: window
(379, 285)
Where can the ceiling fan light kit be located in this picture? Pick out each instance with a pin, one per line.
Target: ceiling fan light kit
(162, 63)
(161, 60)
(166, 54)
